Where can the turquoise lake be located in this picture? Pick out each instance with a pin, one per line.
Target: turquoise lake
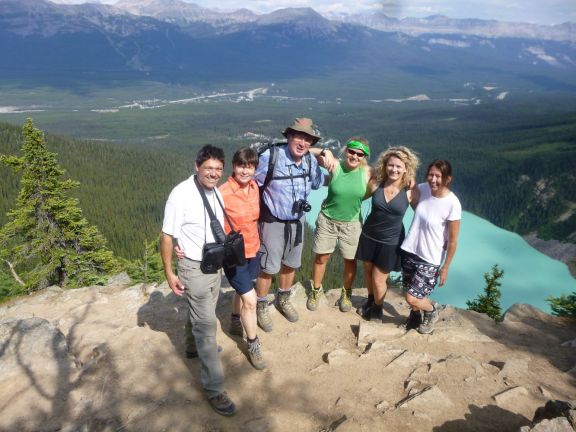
(529, 275)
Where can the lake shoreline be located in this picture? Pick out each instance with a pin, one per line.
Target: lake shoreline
(564, 252)
(532, 273)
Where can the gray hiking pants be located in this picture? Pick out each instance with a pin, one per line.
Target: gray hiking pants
(201, 292)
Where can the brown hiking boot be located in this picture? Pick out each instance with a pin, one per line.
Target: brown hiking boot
(285, 307)
(255, 355)
(263, 318)
(345, 301)
(236, 326)
(222, 404)
(314, 298)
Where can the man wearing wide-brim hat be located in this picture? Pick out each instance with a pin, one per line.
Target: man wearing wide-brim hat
(286, 173)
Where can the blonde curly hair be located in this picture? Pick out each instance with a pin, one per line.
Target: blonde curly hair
(405, 155)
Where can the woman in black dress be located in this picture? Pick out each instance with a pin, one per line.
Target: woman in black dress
(383, 232)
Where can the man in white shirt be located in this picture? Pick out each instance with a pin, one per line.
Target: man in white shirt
(187, 224)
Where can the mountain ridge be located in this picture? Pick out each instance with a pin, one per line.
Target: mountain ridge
(183, 13)
(84, 40)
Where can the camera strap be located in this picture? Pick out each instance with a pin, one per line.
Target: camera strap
(294, 197)
(215, 225)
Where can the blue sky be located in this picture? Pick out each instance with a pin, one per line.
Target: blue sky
(535, 11)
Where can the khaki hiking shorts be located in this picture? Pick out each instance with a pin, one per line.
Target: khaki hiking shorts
(330, 232)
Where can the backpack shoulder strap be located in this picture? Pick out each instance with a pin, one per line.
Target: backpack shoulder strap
(271, 166)
(309, 163)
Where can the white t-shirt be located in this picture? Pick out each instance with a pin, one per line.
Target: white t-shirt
(186, 220)
(428, 234)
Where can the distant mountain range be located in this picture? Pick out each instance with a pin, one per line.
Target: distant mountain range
(173, 40)
(477, 27)
(178, 11)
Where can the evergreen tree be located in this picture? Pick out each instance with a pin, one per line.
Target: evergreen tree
(565, 305)
(8, 286)
(489, 302)
(149, 268)
(46, 238)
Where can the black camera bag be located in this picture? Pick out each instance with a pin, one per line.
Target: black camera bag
(227, 249)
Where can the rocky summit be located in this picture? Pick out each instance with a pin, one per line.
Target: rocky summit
(111, 358)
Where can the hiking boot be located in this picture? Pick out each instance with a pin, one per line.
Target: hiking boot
(236, 326)
(376, 314)
(414, 320)
(263, 318)
(285, 307)
(364, 310)
(222, 404)
(345, 301)
(428, 321)
(314, 298)
(255, 355)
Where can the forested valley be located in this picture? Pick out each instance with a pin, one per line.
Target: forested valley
(513, 166)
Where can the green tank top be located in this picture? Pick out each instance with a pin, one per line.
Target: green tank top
(345, 194)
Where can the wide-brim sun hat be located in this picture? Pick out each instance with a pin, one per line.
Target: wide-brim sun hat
(304, 125)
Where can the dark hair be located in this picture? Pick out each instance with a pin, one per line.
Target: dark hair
(245, 156)
(444, 167)
(209, 152)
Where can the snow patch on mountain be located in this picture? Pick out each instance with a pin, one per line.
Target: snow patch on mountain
(541, 54)
(18, 110)
(449, 42)
(417, 98)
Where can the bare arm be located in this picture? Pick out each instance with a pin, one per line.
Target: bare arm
(371, 182)
(413, 195)
(166, 247)
(326, 160)
(452, 242)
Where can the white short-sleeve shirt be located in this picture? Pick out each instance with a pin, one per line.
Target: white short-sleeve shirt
(186, 220)
(428, 233)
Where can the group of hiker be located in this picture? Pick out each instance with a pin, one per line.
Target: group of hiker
(266, 199)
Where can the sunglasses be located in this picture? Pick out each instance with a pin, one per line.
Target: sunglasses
(359, 154)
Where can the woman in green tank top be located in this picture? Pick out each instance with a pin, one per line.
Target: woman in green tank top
(339, 220)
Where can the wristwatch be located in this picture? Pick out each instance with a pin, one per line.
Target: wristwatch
(323, 152)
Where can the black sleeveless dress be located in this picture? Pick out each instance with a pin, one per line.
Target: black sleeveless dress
(383, 231)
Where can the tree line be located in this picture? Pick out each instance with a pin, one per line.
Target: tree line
(123, 192)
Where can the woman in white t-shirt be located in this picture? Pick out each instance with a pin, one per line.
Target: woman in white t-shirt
(430, 245)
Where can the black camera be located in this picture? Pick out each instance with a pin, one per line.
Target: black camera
(301, 206)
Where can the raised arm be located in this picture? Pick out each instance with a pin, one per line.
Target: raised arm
(453, 228)
(325, 158)
(413, 194)
(371, 182)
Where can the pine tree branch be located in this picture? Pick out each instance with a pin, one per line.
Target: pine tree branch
(14, 274)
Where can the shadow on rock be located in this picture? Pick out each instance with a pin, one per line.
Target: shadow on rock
(482, 419)
(166, 314)
(43, 378)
